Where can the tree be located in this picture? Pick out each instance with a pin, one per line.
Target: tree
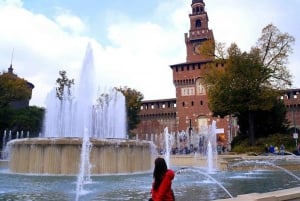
(13, 88)
(249, 81)
(6, 114)
(274, 48)
(266, 122)
(28, 119)
(133, 105)
(63, 82)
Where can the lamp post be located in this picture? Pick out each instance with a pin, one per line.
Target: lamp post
(229, 119)
(295, 134)
(190, 126)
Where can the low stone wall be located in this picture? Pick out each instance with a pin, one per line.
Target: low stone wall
(227, 162)
(3, 163)
(201, 160)
(291, 194)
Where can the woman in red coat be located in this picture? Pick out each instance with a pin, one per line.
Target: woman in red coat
(162, 184)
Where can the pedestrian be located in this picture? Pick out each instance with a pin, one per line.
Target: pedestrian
(271, 149)
(266, 148)
(276, 150)
(162, 182)
(282, 149)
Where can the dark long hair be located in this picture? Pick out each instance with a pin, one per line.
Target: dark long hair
(159, 172)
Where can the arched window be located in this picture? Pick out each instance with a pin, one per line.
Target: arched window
(200, 87)
(198, 23)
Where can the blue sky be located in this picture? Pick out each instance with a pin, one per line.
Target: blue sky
(133, 41)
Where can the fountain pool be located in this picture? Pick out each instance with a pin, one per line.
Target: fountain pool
(45, 169)
(191, 184)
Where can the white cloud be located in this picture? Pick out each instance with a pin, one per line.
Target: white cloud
(41, 49)
(72, 23)
(242, 21)
(139, 53)
(17, 3)
(139, 58)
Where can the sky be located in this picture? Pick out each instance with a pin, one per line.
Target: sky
(134, 42)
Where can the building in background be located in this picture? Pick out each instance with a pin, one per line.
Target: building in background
(291, 100)
(189, 111)
(18, 104)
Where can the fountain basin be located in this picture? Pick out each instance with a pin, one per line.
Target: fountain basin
(239, 162)
(62, 156)
(248, 163)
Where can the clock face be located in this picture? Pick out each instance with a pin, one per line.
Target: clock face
(197, 48)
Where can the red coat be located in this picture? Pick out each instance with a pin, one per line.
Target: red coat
(164, 191)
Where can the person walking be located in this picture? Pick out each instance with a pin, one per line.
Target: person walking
(282, 149)
(162, 182)
(266, 148)
(271, 149)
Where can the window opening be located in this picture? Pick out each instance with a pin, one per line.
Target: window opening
(198, 23)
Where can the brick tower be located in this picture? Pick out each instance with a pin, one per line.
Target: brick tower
(199, 32)
(189, 111)
(191, 98)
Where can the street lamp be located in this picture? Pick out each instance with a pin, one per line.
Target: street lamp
(295, 134)
(190, 126)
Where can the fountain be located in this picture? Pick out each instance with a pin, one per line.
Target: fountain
(80, 130)
(199, 171)
(203, 147)
(169, 141)
(94, 153)
(210, 166)
(3, 154)
(211, 147)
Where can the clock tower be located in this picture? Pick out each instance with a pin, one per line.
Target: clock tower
(189, 111)
(198, 33)
(192, 111)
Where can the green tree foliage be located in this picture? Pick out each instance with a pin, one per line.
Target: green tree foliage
(29, 119)
(274, 48)
(250, 81)
(133, 106)
(6, 114)
(266, 122)
(63, 82)
(13, 88)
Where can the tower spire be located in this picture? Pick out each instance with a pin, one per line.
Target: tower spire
(199, 31)
(197, 1)
(10, 69)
